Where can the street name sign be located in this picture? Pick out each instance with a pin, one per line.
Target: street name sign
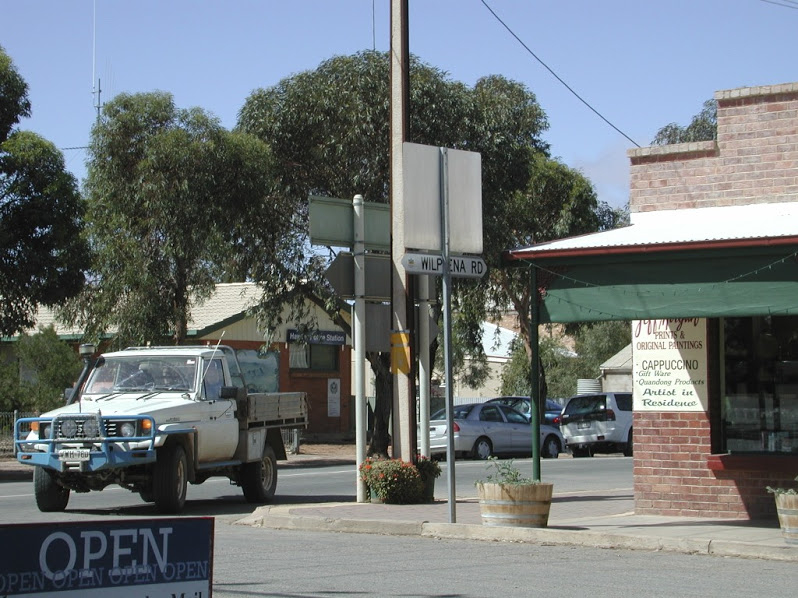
(460, 266)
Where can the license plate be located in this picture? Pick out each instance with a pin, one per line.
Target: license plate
(73, 454)
(583, 425)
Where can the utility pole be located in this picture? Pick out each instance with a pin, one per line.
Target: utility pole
(402, 345)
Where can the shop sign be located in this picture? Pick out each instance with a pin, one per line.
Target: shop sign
(669, 369)
(124, 559)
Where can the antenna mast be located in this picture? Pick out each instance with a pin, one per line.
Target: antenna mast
(95, 91)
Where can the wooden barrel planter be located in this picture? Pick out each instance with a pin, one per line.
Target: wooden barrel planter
(515, 505)
(787, 509)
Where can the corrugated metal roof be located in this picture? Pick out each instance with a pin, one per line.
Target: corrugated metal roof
(496, 341)
(685, 226)
(622, 360)
(227, 301)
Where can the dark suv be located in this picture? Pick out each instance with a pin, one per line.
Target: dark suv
(598, 423)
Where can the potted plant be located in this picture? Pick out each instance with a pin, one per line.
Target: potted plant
(392, 481)
(787, 510)
(506, 498)
(429, 470)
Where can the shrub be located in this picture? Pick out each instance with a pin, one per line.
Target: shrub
(392, 480)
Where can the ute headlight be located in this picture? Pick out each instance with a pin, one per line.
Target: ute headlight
(45, 431)
(69, 428)
(91, 429)
(128, 429)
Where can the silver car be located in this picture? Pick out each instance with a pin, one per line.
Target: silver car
(482, 430)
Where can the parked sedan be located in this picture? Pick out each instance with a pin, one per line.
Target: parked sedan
(524, 405)
(482, 430)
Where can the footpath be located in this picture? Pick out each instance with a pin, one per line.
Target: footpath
(592, 519)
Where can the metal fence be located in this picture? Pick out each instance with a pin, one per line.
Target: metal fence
(7, 419)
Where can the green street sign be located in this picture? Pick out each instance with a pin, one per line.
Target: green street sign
(332, 223)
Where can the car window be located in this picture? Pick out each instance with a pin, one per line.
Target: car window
(585, 404)
(553, 405)
(514, 416)
(490, 413)
(624, 401)
(459, 412)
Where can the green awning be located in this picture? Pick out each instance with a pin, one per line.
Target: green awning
(751, 280)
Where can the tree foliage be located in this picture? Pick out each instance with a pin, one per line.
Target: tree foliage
(329, 129)
(36, 380)
(594, 343)
(42, 254)
(49, 365)
(174, 202)
(703, 127)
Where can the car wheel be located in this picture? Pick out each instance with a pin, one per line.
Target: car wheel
(629, 448)
(580, 452)
(170, 479)
(483, 449)
(51, 497)
(259, 478)
(551, 447)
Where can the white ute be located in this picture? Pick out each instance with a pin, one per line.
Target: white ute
(153, 419)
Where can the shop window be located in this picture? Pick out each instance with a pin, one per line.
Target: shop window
(760, 385)
(308, 356)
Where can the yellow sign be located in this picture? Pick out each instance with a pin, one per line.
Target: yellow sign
(400, 352)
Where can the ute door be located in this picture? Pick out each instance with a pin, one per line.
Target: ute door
(217, 431)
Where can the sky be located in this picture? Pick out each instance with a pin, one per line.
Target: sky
(640, 64)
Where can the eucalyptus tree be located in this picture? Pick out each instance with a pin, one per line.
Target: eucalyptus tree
(703, 127)
(173, 200)
(42, 254)
(329, 130)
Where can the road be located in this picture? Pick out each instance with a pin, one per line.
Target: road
(256, 562)
(297, 485)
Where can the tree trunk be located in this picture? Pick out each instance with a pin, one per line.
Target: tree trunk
(383, 403)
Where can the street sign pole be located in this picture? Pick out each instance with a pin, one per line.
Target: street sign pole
(360, 342)
(424, 372)
(447, 335)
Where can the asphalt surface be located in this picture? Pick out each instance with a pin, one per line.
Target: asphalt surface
(594, 519)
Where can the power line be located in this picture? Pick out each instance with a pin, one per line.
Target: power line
(783, 3)
(556, 76)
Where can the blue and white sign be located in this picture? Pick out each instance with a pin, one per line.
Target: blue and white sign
(124, 559)
(317, 337)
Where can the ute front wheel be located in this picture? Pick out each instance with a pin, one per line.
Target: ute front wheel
(170, 479)
(51, 497)
(259, 478)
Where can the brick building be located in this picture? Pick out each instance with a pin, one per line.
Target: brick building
(707, 272)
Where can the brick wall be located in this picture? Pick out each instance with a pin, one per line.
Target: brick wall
(755, 159)
(320, 424)
(672, 477)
